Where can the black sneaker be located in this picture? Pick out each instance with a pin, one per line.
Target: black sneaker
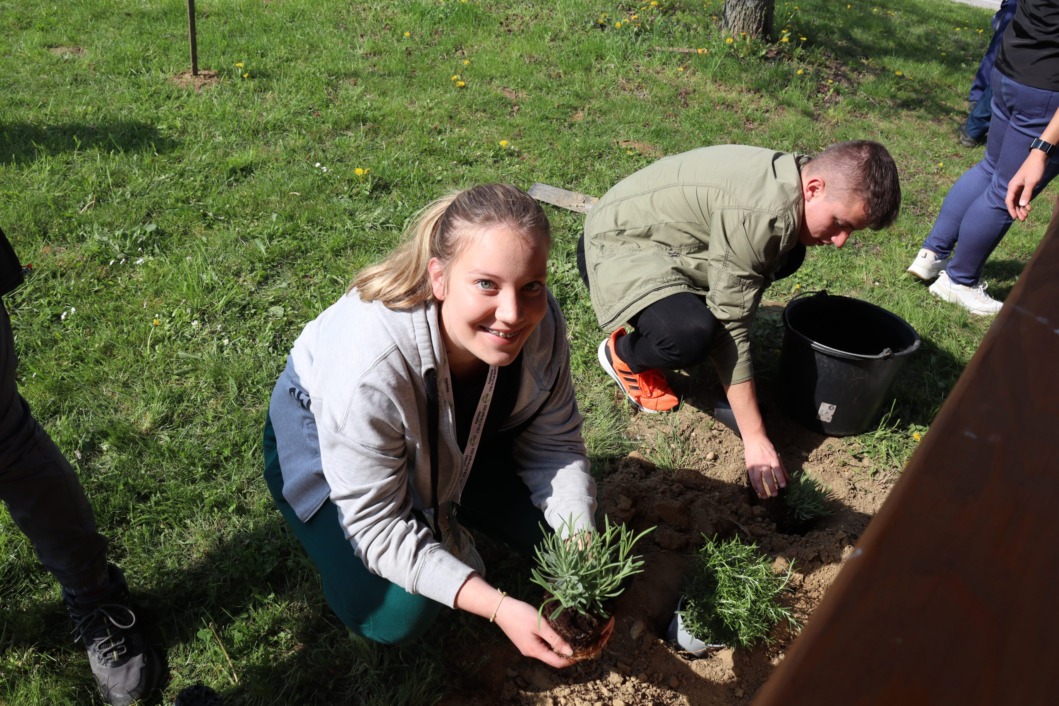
(967, 141)
(124, 665)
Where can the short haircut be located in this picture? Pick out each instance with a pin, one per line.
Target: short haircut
(865, 169)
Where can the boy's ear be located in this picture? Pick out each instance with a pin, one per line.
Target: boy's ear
(813, 187)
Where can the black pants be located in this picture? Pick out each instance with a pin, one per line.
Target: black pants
(41, 489)
(678, 331)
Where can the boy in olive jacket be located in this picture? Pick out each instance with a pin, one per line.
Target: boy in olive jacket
(683, 249)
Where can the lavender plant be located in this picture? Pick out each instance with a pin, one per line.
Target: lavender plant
(581, 571)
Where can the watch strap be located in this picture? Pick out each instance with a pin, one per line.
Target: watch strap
(1039, 144)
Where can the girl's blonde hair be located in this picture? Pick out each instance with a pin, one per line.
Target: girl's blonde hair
(402, 280)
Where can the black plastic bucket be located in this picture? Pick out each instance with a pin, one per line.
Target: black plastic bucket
(840, 356)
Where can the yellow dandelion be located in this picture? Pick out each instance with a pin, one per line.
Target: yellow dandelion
(899, 73)
(466, 62)
(700, 50)
(802, 38)
(617, 25)
(785, 39)
(503, 143)
(460, 84)
(454, 77)
(156, 322)
(916, 435)
(728, 40)
(680, 68)
(407, 35)
(238, 64)
(800, 72)
(246, 75)
(830, 81)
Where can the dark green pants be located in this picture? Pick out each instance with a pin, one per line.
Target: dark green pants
(495, 501)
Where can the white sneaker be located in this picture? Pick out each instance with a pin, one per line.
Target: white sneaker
(927, 265)
(972, 298)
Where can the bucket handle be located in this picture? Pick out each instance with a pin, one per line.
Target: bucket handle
(799, 295)
(886, 353)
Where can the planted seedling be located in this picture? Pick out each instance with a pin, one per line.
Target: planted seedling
(732, 596)
(581, 574)
(798, 508)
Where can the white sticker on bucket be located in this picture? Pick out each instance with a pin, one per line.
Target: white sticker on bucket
(827, 411)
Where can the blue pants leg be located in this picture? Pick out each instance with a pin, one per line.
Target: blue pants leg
(973, 214)
(977, 124)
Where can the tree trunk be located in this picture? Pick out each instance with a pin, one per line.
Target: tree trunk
(751, 17)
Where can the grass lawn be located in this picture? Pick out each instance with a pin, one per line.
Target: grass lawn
(180, 238)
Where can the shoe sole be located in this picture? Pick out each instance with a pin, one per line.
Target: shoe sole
(944, 296)
(605, 362)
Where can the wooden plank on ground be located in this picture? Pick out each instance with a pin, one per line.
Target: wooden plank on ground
(570, 200)
(949, 597)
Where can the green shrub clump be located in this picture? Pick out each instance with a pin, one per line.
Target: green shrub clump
(732, 597)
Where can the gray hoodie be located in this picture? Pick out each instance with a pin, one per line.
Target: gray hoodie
(360, 368)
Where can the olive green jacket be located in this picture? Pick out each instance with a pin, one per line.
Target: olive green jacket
(715, 221)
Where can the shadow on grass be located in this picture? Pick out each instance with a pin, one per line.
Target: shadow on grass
(859, 35)
(21, 143)
(1002, 275)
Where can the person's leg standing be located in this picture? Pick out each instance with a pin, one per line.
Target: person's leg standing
(1022, 112)
(48, 504)
(978, 120)
(41, 490)
(971, 187)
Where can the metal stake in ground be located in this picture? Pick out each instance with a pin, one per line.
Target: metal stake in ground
(192, 39)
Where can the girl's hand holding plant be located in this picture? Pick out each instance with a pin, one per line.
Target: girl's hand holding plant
(532, 636)
(519, 620)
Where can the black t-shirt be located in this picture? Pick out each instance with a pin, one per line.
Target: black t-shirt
(1029, 52)
(466, 396)
(10, 267)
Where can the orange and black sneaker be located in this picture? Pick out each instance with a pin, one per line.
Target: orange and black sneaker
(647, 391)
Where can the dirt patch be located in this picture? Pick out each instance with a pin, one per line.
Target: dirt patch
(644, 148)
(203, 79)
(689, 480)
(65, 52)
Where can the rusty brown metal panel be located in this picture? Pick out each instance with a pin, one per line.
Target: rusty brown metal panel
(950, 595)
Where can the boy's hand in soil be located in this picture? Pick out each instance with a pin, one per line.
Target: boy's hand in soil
(763, 465)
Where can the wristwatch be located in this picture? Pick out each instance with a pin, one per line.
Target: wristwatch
(1039, 144)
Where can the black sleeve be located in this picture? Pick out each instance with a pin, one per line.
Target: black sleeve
(10, 267)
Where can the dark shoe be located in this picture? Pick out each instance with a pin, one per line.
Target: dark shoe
(968, 141)
(124, 665)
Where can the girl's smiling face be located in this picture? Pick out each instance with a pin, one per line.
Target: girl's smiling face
(491, 296)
